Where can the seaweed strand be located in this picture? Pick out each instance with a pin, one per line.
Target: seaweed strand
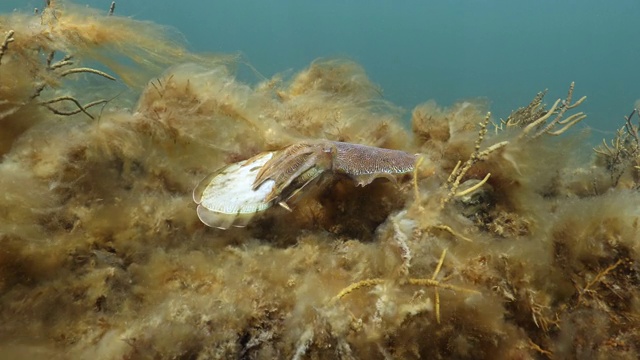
(5, 44)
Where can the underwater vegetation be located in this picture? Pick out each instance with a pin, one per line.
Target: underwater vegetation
(509, 238)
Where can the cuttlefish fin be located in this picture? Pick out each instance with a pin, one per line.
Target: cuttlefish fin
(366, 179)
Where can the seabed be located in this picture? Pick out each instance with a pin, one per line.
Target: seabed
(512, 238)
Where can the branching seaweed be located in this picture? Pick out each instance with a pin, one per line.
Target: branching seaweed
(528, 114)
(5, 44)
(533, 120)
(447, 229)
(60, 33)
(623, 151)
(598, 278)
(81, 108)
(66, 61)
(536, 128)
(55, 68)
(460, 170)
(86, 70)
(430, 282)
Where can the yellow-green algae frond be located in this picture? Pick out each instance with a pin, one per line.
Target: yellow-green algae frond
(503, 243)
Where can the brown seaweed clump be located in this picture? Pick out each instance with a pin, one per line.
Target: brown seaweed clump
(503, 243)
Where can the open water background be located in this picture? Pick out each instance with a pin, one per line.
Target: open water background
(504, 50)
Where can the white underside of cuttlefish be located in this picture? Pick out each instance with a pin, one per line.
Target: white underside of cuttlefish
(234, 194)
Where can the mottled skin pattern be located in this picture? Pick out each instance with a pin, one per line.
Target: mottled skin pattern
(299, 164)
(366, 163)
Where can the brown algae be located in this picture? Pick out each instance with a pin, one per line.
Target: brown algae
(498, 241)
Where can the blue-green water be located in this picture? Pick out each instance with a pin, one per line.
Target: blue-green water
(505, 51)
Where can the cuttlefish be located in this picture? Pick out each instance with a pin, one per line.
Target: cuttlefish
(234, 194)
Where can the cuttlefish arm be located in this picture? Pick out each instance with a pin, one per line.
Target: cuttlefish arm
(297, 166)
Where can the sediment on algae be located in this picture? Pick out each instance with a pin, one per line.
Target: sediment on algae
(504, 243)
